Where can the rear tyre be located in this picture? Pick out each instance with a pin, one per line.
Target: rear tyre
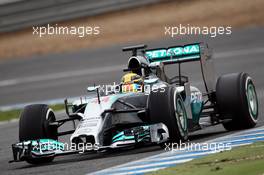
(168, 108)
(237, 100)
(34, 124)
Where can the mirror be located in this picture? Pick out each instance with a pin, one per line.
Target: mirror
(92, 88)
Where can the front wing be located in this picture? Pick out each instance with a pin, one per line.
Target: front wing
(34, 149)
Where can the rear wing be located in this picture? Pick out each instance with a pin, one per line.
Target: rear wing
(174, 54)
(186, 53)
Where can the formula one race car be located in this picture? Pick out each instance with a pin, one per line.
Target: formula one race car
(153, 110)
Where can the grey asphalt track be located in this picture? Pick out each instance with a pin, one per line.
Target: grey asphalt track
(57, 76)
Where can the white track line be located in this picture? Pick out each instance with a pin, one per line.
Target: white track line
(139, 171)
(60, 75)
(239, 52)
(155, 164)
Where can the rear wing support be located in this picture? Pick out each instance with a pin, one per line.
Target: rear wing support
(207, 67)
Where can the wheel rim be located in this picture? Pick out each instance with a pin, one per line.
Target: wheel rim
(252, 100)
(181, 114)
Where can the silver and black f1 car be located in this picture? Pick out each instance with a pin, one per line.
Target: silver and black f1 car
(166, 110)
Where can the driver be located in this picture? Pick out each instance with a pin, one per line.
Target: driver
(132, 82)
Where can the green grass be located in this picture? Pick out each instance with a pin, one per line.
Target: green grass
(246, 160)
(14, 114)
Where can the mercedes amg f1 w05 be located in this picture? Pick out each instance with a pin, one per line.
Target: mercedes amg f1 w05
(165, 111)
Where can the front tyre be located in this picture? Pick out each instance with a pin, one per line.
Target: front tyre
(237, 99)
(34, 124)
(167, 107)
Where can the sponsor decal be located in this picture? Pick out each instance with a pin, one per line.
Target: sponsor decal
(179, 51)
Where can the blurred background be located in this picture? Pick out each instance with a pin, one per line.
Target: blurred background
(49, 68)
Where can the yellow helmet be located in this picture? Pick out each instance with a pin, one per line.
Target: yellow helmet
(131, 82)
(131, 78)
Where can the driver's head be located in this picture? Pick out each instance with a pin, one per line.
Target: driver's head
(131, 82)
(134, 65)
(131, 78)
